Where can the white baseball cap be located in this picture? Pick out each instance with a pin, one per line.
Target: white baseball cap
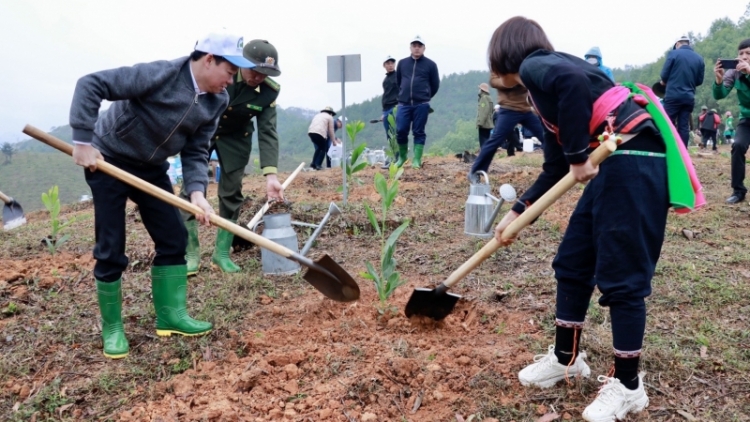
(389, 59)
(227, 45)
(417, 39)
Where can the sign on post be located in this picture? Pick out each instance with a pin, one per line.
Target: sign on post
(344, 68)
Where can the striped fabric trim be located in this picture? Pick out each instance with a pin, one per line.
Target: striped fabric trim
(628, 354)
(568, 324)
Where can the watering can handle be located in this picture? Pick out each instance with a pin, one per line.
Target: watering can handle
(474, 177)
(532, 212)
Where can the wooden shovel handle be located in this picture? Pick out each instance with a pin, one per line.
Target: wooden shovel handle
(532, 212)
(158, 193)
(265, 207)
(4, 198)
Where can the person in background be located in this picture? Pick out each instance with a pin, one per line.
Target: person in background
(418, 81)
(709, 124)
(594, 56)
(514, 109)
(158, 110)
(333, 141)
(320, 130)
(484, 114)
(389, 102)
(728, 127)
(724, 81)
(681, 74)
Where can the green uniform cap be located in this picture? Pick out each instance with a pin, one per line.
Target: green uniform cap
(264, 56)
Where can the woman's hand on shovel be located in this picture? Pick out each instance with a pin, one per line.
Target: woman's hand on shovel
(502, 225)
(197, 198)
(86, 155)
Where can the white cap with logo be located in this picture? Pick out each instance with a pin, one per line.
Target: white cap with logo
(417, 39)
(227, 45)
(389, 59)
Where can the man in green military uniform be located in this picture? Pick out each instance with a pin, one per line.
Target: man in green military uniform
(252, 94)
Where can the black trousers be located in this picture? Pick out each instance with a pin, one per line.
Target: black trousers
(613, 242)
(707, 134)
(739, 149)
(162, 221)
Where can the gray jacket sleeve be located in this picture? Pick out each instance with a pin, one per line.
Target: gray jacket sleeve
(123, 83)
(194, 156)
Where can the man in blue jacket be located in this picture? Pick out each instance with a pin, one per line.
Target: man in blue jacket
(681, 74)
(418, 81)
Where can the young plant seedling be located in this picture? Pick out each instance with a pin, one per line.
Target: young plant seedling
(51, 201)
(386, 278)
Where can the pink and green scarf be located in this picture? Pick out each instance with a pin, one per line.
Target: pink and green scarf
(685, 191)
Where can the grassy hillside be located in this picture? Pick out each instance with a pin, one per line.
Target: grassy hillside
(32, 173)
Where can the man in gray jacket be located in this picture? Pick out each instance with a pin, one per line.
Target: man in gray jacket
(159, 109)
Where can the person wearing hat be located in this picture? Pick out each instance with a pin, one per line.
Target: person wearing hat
(594, 56)
(252, 96)
(389, 101)
(418, 81)
(158, 110)
(709, 123)
(321, 128)
(681, 74)
(484, 114)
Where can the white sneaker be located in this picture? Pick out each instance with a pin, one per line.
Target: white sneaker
(546, 371)
(615, 401)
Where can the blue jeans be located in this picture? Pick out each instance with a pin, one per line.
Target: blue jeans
(412, 117)
(321, 146)
(679, 114)
(505, 121)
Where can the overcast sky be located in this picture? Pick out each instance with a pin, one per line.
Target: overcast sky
(49, 44)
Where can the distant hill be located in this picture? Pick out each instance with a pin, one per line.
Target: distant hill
(451, 128)
(32, 172)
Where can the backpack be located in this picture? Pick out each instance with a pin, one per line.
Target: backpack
(708, 121)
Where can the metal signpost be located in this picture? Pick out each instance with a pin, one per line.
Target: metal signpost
(344, 68)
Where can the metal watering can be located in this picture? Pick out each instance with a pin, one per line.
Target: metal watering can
(480, 210)
(278, 228)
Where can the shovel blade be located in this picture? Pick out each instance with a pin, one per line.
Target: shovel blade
(13, 215)
(432, 303)
(329, 278)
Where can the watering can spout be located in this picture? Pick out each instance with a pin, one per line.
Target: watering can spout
(507, 194)
(333, 210)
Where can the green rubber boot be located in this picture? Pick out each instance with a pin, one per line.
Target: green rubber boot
(110, 306)
(403, 150)
(220, 257)
(169, 291)
(193, 252)
(418, 150)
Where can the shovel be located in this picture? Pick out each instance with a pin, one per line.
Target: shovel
(437, 303)
(324, 274)
(265, 207)
(12, 213)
